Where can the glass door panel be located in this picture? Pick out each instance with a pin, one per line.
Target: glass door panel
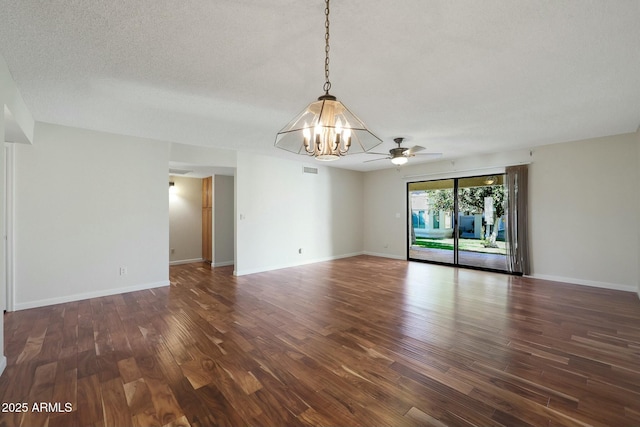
(458, 221)
(481, 222)
(431, 232)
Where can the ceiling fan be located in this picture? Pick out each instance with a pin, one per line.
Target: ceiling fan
(400, 155)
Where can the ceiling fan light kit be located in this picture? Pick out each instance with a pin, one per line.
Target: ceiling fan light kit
(399, 160)
(326, 129)
(400, 155)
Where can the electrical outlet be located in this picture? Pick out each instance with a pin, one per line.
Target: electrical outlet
(173, 250)
(123, 271)
(300, 250)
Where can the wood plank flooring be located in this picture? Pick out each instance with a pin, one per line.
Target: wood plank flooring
(361, 341)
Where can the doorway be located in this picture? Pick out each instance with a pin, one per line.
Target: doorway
(458, 222)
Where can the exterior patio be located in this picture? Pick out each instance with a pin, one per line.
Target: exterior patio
(493, 261)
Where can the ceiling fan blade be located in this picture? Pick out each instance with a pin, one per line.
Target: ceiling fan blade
(411, 151)
(377, 154)
(375, 160)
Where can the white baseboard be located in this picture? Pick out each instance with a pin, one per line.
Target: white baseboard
(381, 255)
(583, 282)
(88, 295)
(278, 267)
(3, 363)
(186, 261)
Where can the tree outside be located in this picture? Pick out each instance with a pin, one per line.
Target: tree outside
(470, 199)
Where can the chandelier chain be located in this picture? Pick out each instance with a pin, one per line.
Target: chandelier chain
(327, 83)
(326, 128)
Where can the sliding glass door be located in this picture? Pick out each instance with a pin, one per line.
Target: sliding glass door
(481, 222)
(431, 207)
(458, 221)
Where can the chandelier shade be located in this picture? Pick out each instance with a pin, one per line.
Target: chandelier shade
(326, 129)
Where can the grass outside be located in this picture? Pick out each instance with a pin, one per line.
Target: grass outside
(471, 245)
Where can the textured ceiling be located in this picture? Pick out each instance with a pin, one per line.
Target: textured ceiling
(458, 77)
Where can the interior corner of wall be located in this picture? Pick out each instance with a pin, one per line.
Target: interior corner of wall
(11, 99)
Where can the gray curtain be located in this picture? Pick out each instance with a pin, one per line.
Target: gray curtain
(516, 186)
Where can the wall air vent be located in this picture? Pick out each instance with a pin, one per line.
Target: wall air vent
(310, 170)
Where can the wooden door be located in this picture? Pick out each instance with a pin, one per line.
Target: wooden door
(207, 194)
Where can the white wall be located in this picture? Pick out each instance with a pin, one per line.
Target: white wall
(583, 208)
(385, 207)
(3, 231)
(87, 204)
(185, 220)
(223, 217)
(280, 210)
(637, 192)
(583, 201)
(189, 154)
(9, 96)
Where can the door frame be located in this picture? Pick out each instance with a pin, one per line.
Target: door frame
(454, 220)
(9, 212)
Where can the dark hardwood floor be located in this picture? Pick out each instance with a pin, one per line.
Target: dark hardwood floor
(361, 341)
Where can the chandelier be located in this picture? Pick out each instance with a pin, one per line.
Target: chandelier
(326, 129)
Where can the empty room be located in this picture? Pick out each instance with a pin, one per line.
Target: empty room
(320, 213)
